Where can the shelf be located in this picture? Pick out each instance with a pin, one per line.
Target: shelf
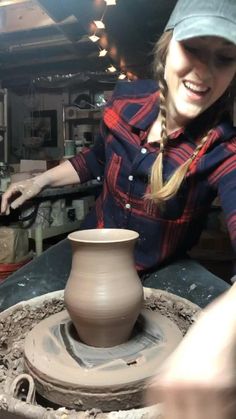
(72, 113)
(84, 188)
(38, 233)
(53, 231)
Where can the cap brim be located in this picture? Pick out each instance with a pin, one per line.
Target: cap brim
(192, 27)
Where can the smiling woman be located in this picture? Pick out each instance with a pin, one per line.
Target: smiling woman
(196, 68)
(166, 148)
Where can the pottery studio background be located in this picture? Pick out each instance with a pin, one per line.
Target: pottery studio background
(59, 63)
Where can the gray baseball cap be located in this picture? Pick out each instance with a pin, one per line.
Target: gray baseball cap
(191, 18)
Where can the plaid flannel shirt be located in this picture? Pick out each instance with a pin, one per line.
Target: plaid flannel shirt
(122, 158)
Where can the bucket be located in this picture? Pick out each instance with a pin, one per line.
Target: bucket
(6, 269)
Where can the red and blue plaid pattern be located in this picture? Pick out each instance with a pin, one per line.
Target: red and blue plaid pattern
(123, 160)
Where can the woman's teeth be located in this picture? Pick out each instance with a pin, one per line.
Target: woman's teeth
(194, 88)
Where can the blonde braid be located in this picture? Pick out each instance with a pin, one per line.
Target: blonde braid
(156, 177)
(173, 184)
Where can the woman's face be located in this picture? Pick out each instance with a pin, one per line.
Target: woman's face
(197, 73)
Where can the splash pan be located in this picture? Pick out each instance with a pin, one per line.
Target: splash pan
(70, 373)
(15, 325)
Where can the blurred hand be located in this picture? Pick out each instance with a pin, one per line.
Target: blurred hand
(21, 191)
(198, 381)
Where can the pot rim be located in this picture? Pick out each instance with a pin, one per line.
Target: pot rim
(103, 235)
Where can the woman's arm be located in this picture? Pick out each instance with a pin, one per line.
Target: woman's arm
(19, 192)
(88, 164)
(61, 175)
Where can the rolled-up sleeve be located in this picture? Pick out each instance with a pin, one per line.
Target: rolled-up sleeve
(90, 162)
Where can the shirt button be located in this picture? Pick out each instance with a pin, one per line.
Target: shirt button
(127, 206)
(143, 150)
(131, 178)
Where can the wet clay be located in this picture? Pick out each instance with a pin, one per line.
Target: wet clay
(103, 292)
(15, 324)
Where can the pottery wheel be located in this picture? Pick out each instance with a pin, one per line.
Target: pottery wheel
(70, 373)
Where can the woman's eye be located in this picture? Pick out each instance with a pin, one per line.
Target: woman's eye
(225, 60)
(192, 50)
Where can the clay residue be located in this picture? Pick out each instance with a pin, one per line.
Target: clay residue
(15, 326)
(13, 330)
(182, 314)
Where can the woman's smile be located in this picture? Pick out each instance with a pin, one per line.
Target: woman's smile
(197, 90)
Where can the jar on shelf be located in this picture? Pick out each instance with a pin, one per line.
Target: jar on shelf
(69, 148)
(5, 176)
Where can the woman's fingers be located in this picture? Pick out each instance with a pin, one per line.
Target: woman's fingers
(19, 201)
(5, 204)
(189, 401)
(26, 189)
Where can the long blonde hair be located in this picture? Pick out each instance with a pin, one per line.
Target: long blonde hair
(160, 192)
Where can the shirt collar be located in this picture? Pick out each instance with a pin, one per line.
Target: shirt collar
(145, 114)
(136, 103)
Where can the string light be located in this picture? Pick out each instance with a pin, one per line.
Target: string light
(103, 52)
(99, 24)
(110, 2)
(111, 69)
(94, 38)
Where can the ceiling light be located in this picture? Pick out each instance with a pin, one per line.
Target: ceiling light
(94, 38)
(102, 52)
(99, 24)
(112, 69)
(110, 2)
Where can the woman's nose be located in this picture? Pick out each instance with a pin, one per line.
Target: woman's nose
(205, 65)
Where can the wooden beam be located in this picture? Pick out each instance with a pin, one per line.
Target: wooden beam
(59, 67)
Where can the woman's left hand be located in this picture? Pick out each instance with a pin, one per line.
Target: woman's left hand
(198, 381)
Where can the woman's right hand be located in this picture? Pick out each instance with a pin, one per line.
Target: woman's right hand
(19, 192)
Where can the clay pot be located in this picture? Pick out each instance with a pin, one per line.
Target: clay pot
(103, 294)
